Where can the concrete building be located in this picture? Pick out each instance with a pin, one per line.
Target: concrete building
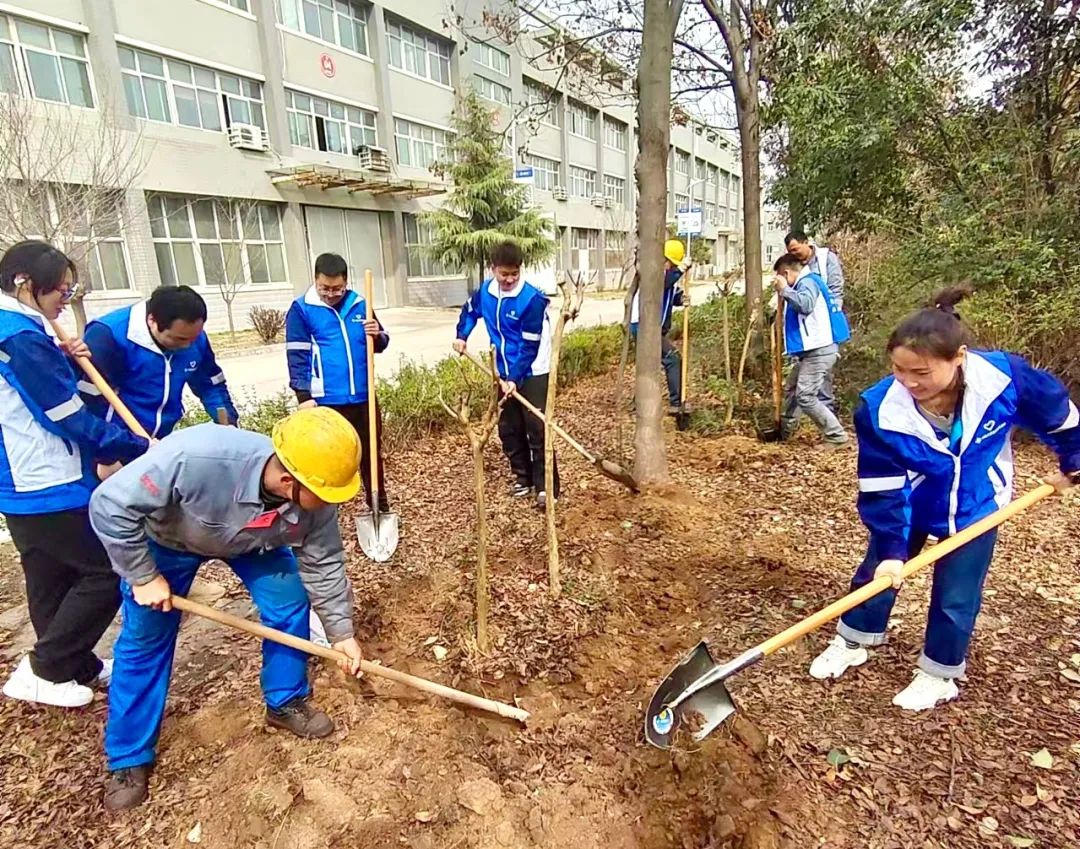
(273, 130)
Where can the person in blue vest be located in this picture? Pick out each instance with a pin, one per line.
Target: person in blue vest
(675, 266)
(49, 442)
(325, 343)
(148, 352)
(814, 329)
(935, 456)
(514, 313)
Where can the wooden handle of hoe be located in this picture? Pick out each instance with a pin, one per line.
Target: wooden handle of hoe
(106, 391)
(685, 336)
(373, 416)
(919, 561)
(778, 359)
(258, 630)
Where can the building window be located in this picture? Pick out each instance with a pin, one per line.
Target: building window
(682, 162)
(700, 169)
(493, 58)
(206, 241)
(545, 171)
(725, 188)
(321, 124)
(419, 145)
(582, 119)
(710, 214)
(582, 182)
(736, 193)
(419, 261)
(584, 240)
(714, 175)
(615, 133)
(51, 61)
(493, 91)
(615, 189)
(340, 22)
(418, 53)
(542, 102)
(175, 92)
(242, 5)
(615, 249)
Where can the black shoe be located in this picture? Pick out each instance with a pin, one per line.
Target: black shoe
(127, 788)
(520, 490)
(541, 501)
(299, 717)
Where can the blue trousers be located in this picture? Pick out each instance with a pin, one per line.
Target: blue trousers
(143, 654)
(955, 599)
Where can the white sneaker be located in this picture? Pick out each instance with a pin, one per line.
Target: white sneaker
(837, 659)
(926, 691)
(104, 677)
(27, 687)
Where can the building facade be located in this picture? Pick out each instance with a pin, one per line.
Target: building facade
(269, 131)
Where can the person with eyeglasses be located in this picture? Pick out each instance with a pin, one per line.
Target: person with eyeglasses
(49, 444)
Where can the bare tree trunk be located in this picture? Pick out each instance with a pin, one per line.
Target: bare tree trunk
(654, 125)
(482, 597)
(232, 327)
(624, 355)
(78, 309)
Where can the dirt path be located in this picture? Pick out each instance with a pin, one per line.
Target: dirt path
(749, 539)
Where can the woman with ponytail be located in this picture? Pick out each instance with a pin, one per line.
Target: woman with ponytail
(935, 456)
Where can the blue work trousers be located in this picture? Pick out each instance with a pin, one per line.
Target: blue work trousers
(955, 599)
(143, 654)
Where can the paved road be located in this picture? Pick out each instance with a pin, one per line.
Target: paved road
(417, 334)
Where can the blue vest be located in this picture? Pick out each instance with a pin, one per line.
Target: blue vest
(825, 325)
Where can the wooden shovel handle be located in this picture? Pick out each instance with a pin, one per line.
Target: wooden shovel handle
(919, 561)
(778, 359)
(258, 630)
(373, 416)
(685, 336)
(106, 391)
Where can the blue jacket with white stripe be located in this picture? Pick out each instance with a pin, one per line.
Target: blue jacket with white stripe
(813, 319)
(149, 379)
(517, 325)
(909, 477)
(672, 297)
(327, 350)
(49, 440)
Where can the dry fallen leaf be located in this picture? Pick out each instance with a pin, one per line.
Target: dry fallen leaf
(426, 816)
(440, 653)
(1019, 842)
(1042, 759)
(195, 835)
(1029, 801)
(1044, 795)
(988, 825)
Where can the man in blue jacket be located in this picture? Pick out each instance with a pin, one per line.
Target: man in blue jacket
(675, 266)
(325, 344)
(515, 315)
(149, 352)
(814, 328)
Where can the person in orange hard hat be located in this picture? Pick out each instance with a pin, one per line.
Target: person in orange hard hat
(209, 492)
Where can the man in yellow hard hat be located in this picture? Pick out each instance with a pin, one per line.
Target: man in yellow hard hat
(675, 265)
(212, 492)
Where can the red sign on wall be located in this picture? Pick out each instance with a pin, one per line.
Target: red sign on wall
(326, 63)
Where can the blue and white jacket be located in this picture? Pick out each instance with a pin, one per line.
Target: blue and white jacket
(149, 379)
(327, 350)
(672, 298)
(49, 440)
(909, 477)
(517, 325)
(813, 319)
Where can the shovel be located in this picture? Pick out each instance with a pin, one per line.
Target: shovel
(256, 629)
(608, 468)
(682, 418)
(377, 533)
(773, 432)
(695, 692)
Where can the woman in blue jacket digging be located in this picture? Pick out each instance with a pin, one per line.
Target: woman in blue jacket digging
(935, 456)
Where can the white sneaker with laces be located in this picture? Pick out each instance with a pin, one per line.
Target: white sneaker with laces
(25, 686)
(925, 692)
(104, 677)
(837, 659)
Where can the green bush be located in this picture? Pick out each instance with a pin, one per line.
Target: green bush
(255, 414)
(589, 351)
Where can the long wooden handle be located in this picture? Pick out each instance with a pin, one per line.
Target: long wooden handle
(685, 337)
(778, 358)
(919, 561)
(106, 391)
(532, 408)
(258, 630)
(373, 418)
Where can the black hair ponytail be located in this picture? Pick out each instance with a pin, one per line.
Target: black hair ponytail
(937, 330)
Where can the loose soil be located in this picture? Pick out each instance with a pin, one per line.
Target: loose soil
(748, 539)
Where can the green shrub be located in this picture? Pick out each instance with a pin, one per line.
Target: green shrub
(255, 414)
(589, 351)
(410, 404)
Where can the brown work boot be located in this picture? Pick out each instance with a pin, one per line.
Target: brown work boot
(299, 717)
(127, 788)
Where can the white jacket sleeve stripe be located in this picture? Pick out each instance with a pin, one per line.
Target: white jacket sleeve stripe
(882, 484)
(87, 387)
(68, 408)
(1071, 421)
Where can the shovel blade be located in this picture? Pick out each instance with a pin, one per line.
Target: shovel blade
(378, 535)
(682, 420)
(703, 712)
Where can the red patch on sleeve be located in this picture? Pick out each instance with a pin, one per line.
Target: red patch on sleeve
(263, 520)
(149, 485)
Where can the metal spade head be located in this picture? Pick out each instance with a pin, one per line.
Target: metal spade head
(682, 420)
(702, 712)
(378, 535)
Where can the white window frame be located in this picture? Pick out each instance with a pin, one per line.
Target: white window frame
(681, 202)
(292, 19)
(493, 59)
(682, 162)
(615, 189)
(24, 82)
(227, 5)
(410, 41)
(583, 117)
(197, 241)
(701, 169)
(493, 91)
(440, 141)
(616, 134)
(615, 243)
(415, 244)
(583, 177)
(352, 132)
(546, 107)
(545, 171)
(591, 245)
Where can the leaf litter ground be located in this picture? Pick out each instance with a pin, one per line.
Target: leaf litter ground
(747, 540)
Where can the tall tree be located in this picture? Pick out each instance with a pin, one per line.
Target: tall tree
(485, 206)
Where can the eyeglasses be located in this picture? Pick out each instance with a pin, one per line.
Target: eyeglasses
(329, 292)
(67, 294)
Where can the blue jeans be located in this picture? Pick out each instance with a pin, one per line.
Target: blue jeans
(954, 604)
(143, 654)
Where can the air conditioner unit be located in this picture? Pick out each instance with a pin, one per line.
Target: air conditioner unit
(247, 137)
(559, 193)
(608, 203)
(598, 200)
(373, 158)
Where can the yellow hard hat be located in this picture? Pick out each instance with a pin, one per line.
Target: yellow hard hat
(322, 451)
(674, 251)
